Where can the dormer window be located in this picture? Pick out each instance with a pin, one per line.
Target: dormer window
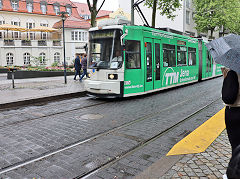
(0, 4)
(14, 5)
(43, 5)
(69, 9)
(30, 7)
(56, 8)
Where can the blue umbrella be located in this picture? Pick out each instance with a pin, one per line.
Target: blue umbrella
(226, 51)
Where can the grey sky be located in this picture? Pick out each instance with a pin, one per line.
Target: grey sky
(110, 5)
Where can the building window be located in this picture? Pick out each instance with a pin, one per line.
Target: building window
(188, 3)
(57, 57)
(30, 35)
(30, 7)
(16, 35)
(44, 8)
(42, 58)
(79, 36)
(44, 35)
(69, 9)
(0, 4)
(188, 17)
(9, 58)
(72, 33)
(26, 58)
(14, 5)
(56, 9)
(1, 22)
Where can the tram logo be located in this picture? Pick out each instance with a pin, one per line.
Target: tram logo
(171, 77)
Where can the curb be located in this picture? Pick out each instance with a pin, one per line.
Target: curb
(41, 99)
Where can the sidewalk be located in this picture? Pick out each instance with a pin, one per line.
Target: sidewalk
(210, 164)
(36, 88)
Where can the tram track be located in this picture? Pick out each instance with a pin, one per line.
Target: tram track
(49, 115)
(94, 137)
(143, 143)
(62, 112)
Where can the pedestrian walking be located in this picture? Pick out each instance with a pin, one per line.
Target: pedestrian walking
(84, 66)
(77, 66)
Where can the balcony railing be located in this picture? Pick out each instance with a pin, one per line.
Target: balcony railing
(9, 43)
(26, 43)
(56, 43)
(42, 43)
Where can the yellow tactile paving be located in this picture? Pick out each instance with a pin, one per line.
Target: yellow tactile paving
(199, 140)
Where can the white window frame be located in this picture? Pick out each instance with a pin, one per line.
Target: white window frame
(30, 35)
(9, 58)
(26, 58)
(44, 8)
(187, 17)
(0, 4)
(43, 60)
(57, 57)
(16, 35)
(30, 7)
(79, 36)
(69, 10)
(56, 10)
(14, 5)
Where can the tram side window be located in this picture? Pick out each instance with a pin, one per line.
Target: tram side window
(191, 56)
(181, 56)
(169, 55)
(133, 54)
(209, 65)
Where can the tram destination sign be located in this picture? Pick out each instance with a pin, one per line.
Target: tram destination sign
(101, 34)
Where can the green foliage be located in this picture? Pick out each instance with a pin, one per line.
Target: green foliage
(215, 14)
(165, 7)
(55, 64)
(37, 61)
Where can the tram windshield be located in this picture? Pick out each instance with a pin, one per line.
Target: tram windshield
(105, 49)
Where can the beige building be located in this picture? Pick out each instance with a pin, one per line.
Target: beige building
(20, 48)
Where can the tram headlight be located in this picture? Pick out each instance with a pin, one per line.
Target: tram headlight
(112, 76)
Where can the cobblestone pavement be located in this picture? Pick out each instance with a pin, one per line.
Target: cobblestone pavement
(209, 164)
(133, 164)
(33, 88)
(27, 140)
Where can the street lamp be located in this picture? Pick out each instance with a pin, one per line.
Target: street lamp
(64, 61)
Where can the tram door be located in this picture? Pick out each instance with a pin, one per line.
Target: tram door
(208, 65)
(148, 60)
(157, 69)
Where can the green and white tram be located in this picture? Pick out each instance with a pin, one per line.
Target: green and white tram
(133, 60)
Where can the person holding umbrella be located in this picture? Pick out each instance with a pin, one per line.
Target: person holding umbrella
(226, 51)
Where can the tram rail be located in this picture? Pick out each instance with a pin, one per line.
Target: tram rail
(94, 137)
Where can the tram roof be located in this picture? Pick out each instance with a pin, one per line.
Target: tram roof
(144, 28)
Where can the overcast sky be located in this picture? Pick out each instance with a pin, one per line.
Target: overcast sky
(110, 5)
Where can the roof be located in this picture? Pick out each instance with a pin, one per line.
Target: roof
(84, 10)
(73, 22)
(6, 6)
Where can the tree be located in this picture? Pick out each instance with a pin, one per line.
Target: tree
(215, 15)
(93, 9)
(166, 7)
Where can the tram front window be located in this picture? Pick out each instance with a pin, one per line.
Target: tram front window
(105, 49)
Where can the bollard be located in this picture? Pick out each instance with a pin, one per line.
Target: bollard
(12, 71)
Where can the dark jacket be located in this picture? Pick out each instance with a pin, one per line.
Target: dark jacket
(77, 64)
(84, 63)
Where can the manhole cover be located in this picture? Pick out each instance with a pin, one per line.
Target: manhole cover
(92, 116)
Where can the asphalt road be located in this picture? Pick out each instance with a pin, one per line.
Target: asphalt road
(93, 138)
